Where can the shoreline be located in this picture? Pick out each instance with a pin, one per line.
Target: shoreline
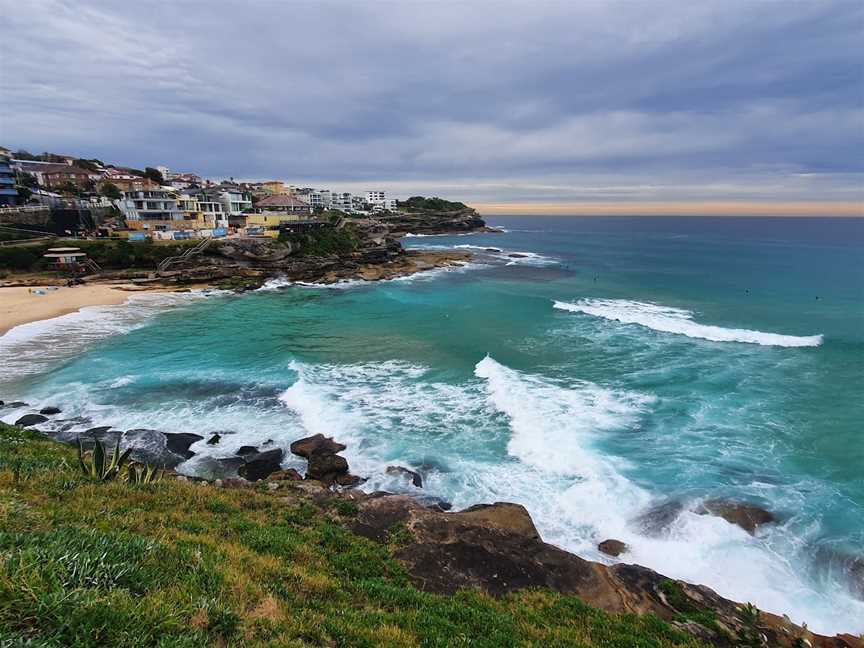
(21, 304)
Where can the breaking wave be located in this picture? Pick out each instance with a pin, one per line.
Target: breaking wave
(680, 321)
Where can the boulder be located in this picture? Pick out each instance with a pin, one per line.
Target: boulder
(612, 547)
(246, 450)
(326, 467)
(261, 464)
(657, 519)
(502, 515)
(415, 478)
(48, 411)
(149, 447)
(96, 431)
(31, 419)
(746, 516)
(179, 442)
(348, 480)
(288, 474)
(317, 444)
(14, 405)
(213, 440)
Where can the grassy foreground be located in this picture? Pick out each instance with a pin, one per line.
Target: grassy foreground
(184, 564)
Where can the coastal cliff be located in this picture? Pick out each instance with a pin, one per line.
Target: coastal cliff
(269, 555)
(344, 248)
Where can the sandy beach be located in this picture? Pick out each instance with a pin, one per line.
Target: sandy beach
(21, 305)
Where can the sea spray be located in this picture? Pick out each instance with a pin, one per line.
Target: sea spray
(667, 319)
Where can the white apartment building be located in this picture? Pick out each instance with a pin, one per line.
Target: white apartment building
(319, 198)
(235, 202)
(343, 201)
(153, 204)
(376, 197)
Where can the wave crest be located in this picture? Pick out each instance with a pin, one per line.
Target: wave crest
(680, 321)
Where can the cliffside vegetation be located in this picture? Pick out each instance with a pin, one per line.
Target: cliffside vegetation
(422, 204)
(113, 254)
(183, 564)
(324, 242)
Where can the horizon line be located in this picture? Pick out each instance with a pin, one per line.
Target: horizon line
(846, 209)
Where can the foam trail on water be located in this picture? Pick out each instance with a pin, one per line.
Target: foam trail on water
(679, 321)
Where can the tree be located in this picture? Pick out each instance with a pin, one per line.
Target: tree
(90, 165)
(154, 175)
(110, 190)
(27, 180)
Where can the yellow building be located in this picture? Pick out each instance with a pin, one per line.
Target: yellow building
(267, 224)
(274, 186)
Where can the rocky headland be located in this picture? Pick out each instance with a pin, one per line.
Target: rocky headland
(494, 547)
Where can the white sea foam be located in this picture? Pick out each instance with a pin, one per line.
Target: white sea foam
(679, 321)
(30, 348)
(579, 497)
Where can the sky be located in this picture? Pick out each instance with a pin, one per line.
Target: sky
(499, 104)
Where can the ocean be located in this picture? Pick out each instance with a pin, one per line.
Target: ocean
(588, 368)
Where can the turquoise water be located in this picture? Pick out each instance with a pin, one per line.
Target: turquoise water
(612, 365)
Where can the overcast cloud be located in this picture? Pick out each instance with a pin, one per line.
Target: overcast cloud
(488, 101)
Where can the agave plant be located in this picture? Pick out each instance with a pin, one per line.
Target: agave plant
(143, 474)
(98, 465)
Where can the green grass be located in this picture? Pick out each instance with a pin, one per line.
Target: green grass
(180, 564)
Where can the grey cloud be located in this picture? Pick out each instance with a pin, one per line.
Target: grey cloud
(659, 99)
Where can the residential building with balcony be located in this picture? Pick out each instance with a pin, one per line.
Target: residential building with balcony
(8, 192)
(150, 209)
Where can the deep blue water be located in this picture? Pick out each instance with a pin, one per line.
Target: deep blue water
(610, 365)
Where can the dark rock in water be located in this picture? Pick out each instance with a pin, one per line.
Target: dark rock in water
(656, 520)
(746, 516)
(503, 515)
(517, 255)
(856, 577)
(288, 474)
(612, 547)
(317, 444)
(224, 466)
(50, 410)
(96, 431)
(14, 405)
(150, 447)
(246, 450)
(440, 506)
(179, 442)
(261, 464)
(31, 419)
(416, 479)
(213, 440)
(326, 467)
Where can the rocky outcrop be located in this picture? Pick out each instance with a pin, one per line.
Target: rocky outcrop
(747, 516)
(431, 222)
(317, 443)
(415, 478)
(323, 463)
(50, 410)
(29, 420)
(260, 465)
(612, 547)
(496, 548)
(179, 442)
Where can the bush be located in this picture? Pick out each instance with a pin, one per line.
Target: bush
(419, 203)
(323, 242)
